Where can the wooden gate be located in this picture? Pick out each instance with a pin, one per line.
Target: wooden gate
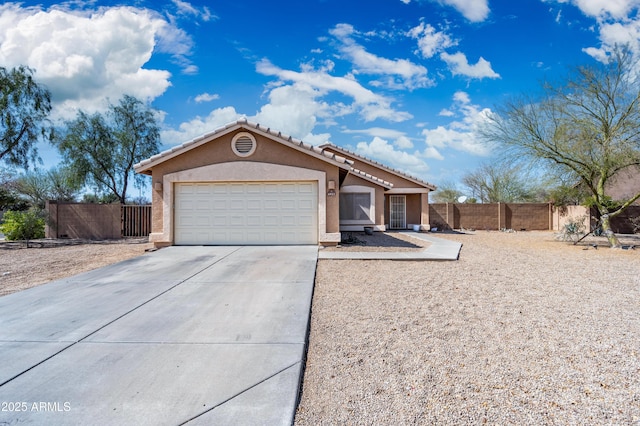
(136, 221)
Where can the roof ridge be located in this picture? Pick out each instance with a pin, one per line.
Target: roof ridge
(377, 163)
(245, 123)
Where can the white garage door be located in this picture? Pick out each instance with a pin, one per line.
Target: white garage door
(246, 213)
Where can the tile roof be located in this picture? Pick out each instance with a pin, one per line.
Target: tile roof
(371, 178)
(144, 165)
(377, 164)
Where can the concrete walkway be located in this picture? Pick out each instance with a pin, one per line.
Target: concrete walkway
(440, 249)
(195, 335)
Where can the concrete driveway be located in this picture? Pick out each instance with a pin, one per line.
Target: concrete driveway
(197, 335)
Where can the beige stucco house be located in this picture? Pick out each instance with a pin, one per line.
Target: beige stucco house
(247, 184)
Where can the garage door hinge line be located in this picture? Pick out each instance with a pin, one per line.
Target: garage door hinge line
(116, 319)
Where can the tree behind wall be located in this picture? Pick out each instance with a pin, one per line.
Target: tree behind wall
(102, 148)
(499, 183)
(24, 108)
(587, 127)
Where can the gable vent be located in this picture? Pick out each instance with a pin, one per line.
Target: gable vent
(243, 144)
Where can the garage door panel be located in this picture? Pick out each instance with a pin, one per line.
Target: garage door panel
(246, 213)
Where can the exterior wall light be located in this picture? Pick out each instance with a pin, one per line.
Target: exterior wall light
(331, 186)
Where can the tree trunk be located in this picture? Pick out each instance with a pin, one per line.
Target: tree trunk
(605, 221)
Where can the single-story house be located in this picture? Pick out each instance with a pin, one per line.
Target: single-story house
(247, 184)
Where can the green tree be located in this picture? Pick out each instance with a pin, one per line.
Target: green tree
(24, 111)
(9, 197)
(447, 192)
(102, 148)
(588, 127)
(26, 225)
(495, 183)
(38, 186)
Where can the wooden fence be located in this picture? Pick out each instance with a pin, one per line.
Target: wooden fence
(136, 221)
(97, 221)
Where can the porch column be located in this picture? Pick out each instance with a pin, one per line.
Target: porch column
(424, 211)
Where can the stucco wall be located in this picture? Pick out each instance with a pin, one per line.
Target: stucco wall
(219, 151)
(625, 184)
(354, 180)
(397, 181)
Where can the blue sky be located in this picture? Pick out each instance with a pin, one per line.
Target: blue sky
(405, 82)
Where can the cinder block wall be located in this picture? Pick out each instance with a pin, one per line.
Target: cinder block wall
(79, 220)
(528, 217)
(491, 216)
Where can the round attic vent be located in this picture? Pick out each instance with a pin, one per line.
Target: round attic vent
(243, 144)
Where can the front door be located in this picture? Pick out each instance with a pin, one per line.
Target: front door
(398, 212)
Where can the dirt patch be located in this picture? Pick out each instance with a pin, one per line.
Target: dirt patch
(48, 260)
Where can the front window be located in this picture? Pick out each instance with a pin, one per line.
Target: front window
(355, 206)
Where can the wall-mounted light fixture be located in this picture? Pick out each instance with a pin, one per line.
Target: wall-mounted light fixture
(157, 186)
(331, 186)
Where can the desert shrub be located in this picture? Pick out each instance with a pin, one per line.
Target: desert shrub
(22, 225)
(574, 228)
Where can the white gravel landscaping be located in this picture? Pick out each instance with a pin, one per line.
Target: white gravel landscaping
(522, 329)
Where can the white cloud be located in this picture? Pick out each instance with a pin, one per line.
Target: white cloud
(381, 150)
(406, 74)
(617, 22)
(84, 57)
(187, 10)
(206, 97)
(369, 105)
(605, 9)
(199, 126)
(461, 134)
(432, 152)
(616, 34)
(431, 41)
(459, 65)
(403, 142)
(292, 109)
(473, 10)
(400, 139)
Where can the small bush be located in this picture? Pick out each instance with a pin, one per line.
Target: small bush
(574, 228)
(27, 225)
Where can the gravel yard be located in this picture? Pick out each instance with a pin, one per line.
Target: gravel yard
(521, 330)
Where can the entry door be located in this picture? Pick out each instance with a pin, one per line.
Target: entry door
(398, 212)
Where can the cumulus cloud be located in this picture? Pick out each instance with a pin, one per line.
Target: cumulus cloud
(406, 74)
(473, 10)
(605, 9)
(381, 150)
(369, 105)
(84, 57)
(617, 23)
(431, 41)
(459, 65)
(460, 134)
(292, 109)
(199, 126)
